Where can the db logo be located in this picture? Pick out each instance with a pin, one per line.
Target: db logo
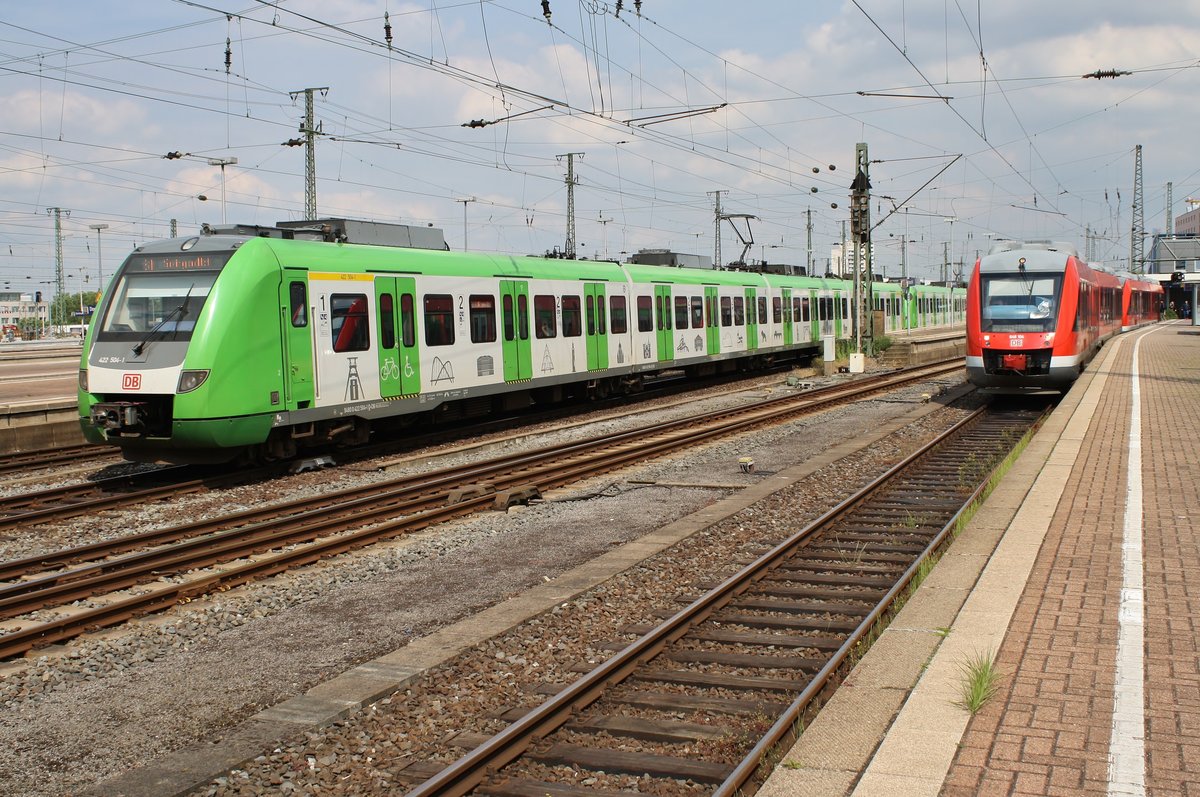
(131, 381)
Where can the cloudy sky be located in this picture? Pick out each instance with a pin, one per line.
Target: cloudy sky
(972, 111)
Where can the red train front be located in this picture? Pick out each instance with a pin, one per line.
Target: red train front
(1036, 314)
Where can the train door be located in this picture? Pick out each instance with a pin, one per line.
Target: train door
(595, 326)
(787, 317)
(662, 319)
(823, 318)
(399, 359)
(344, 335)
(514, 314)
(751, 320)
(712, 327)
(297, 340)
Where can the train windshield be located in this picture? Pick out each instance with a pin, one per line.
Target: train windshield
(154, 295)
(1019, 302)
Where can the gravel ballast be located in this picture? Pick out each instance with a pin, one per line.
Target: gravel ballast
(117, 701)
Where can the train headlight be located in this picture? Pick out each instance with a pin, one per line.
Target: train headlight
(1049, 338)
(987, 340)
(190, 380)
(83, 382)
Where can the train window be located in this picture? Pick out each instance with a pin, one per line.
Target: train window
(616, 314)
(543, 317)
(658, 313)
(483, 318)
(348, 322)
(601, 324)
(825, 308)
(681, 312)
(762, 309)
(697, 312)
(590, 313)
(776, 310)
(1018, 302)
(523, 317)
(572, 322)
(645, 314)
(739, 311)
(439, 320)
(408, 321)
(298, 297)
(507, 317)
(726, 311)
(165, 302)
(797, 310)
(845, 308)
(387, 321)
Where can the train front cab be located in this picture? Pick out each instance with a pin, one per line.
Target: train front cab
(1019, 325)
(179, 358)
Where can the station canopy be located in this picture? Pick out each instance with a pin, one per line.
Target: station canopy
(1174, 254)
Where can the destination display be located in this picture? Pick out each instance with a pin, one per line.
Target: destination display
(171, 261)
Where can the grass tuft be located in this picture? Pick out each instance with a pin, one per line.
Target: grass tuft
(981, 680)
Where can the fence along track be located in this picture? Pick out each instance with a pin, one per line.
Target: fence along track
(789, 644)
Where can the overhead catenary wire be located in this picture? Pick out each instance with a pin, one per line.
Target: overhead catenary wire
(781, 162)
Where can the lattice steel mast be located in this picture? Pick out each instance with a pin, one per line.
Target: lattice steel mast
(1137, 255)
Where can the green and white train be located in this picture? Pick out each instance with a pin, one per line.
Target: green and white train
(258, 343)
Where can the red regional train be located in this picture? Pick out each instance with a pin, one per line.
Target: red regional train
(1037, 314)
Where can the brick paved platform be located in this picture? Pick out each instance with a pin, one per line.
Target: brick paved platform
(1041, 579)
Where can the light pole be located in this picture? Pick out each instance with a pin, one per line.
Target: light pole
(464, 202)
(222, 162)
(80, 274)
(99, 256)
(604, 229)
(950, 220)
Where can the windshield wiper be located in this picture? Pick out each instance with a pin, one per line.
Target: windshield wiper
(181, 310)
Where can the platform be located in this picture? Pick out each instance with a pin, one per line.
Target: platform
(38, 404)
(920, 346)
(1081, 573)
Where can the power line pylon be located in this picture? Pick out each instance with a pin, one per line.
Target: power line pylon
(717, 227)
(1137, 256)
(58, 213)
(571, 183)
(310, 150)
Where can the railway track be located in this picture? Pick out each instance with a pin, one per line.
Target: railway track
(98, 456)
(71, 500)
(59, 503)
(274, 539)
(704, 697)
